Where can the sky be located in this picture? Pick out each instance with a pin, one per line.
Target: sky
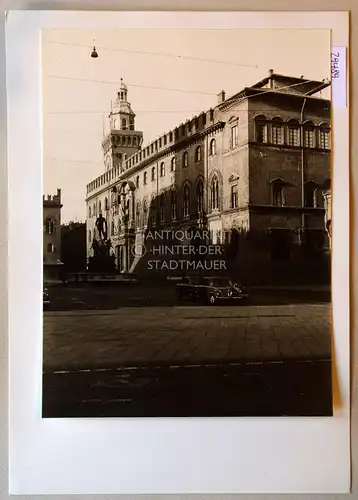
(171, 76)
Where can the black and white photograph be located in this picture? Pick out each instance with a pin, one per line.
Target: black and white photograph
(186, 223)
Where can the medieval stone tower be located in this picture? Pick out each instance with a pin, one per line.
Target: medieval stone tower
(52, 264)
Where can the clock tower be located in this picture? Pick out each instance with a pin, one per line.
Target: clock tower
(123, 140)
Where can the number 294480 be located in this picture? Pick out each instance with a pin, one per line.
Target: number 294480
(335, 64)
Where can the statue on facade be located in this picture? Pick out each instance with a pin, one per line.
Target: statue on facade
(101, 225)
(123, 206)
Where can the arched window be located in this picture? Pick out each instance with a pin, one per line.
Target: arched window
(173, 204)
(50, 226)
(124, 124)
(112, 228)
(277, 131)
(173, 164)
(137, 215)
(309, 135)
(129, 141)
(200, 197)
(212, 147)
(89, 236)
(89, 212)
(261, 135)
(145, 213)
(185, 159)
(310, 191)
(324, 136)
(134, 141)
(145, 178)
(99, 207)
(137, 182)
(106, 205)
(198, 154)
(186, 201)
(215, 193)
(162, 208)
(153, 173)
(162, 169)
(94, 210)
(293, 133)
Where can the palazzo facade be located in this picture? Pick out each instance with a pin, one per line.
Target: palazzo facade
(248, 173)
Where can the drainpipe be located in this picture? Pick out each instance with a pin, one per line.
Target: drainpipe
(302, 171)
(206, 183)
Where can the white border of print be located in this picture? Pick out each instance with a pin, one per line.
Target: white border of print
(109, 456)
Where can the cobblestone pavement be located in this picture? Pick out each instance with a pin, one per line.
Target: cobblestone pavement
(185, 335)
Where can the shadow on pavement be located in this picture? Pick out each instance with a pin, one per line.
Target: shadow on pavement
(289, 388)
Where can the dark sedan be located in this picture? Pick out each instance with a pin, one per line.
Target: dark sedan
(210, 290)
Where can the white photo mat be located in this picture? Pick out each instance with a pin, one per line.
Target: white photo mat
(163, 455)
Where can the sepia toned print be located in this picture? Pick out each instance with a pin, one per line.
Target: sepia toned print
(187, 252)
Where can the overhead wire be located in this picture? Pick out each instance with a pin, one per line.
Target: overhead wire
(231, 109)
(160, 54)
(260, 92)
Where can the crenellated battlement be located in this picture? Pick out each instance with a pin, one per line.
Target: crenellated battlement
(52, 199)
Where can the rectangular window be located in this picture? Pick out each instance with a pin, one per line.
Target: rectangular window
(233, 197)
(50, 247)
(261, 133)
(277, 134)
(309, 138)
(234, 136)
(324, 141)
(277, 195)
(294, 136)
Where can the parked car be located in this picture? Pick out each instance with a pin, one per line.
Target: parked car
(210, 290)
(45, 298)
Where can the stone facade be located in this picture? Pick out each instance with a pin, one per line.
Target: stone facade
(248, 172)
(52, 236)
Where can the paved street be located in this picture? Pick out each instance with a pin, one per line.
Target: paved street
(134, 336)
(188, 361)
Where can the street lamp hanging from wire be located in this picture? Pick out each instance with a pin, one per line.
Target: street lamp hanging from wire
(94, 53)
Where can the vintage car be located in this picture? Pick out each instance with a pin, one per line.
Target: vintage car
(45, 298)
(210, 290)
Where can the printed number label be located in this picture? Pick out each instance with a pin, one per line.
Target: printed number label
(335, 59)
